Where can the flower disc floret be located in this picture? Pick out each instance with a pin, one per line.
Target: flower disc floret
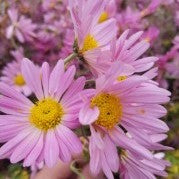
(89, 43)
(46, 114)
(110, 110)
(19, 80)
(103, 17)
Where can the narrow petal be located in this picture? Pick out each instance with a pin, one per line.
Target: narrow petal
(51, 151)
(55, 77)
(25, 147)
(70, 139)
(45, 78)
(35, 152)
(32, 77)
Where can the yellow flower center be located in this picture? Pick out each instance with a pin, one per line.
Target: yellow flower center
(121, 78)
(46, 114)
(19, 80)
(110, 109)
(89, 43)
(104, 16)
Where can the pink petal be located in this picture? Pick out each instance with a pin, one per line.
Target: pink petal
(32, 77)
(88, 115)
(125, 142)
(70, 139)
(51, 151)
(45, 78)
(65, 82)
(25, 147)
(12, 144)
(95, 160)
(11, 93)
(55, 77)
(35, 152)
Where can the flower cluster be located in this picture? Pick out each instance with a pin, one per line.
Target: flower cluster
(91, 77)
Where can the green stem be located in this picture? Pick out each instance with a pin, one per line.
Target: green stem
(70, 57)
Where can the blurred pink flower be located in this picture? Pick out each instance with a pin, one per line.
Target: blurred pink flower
(21, 27)
(12, 76)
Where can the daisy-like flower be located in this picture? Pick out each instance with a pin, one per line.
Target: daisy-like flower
(91, 36)
(40, 131)
(132, 167)
(129, 49)
(120, 98)
(12, 76)
(22, 27)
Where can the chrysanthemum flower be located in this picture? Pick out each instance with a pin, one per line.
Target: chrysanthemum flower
(129, 49)
(22, 27)
(119, 100)
(92, 37)
(41, 130)
(132, 167)
(12, 76)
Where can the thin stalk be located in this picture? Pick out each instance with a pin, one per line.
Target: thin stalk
(70, 57)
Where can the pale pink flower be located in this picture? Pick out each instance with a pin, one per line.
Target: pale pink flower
(91, 37)
(12, 76)
(129, 49)
(21, 27)
(133, 167)
(41, 130)
(121, 98)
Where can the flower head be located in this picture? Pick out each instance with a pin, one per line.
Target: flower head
(41, 130)
(125, 102)
(92, 37)
(22, 27)
(12, 76)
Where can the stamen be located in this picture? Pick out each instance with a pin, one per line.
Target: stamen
(46, 114)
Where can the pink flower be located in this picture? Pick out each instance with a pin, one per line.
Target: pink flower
(22, 27)
(129, 49)
(132, 167)
(121, 98)
(92, 37)
(41, 130)
(151, 34)
(12, 76)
